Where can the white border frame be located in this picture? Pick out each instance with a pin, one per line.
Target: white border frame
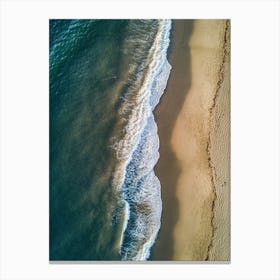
(254, 138)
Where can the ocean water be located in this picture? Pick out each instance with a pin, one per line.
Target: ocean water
(106, 77)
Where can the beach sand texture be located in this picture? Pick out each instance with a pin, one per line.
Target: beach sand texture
(220, 156)
(200, 141)
(167, 168)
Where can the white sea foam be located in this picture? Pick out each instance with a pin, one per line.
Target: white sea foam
(125, 221)
(137, 151)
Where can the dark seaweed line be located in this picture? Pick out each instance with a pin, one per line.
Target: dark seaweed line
(208, 148)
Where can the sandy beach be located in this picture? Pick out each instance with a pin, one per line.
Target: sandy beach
(193, 124)
(166, 113)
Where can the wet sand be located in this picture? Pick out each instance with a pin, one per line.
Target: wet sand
(166, 113)
(193, 122)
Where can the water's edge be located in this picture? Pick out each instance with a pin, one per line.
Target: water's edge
(139, 187)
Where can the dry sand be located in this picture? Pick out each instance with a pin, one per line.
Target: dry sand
(200, 141)
(220, 156)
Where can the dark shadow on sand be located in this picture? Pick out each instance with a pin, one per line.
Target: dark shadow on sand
(166, 113)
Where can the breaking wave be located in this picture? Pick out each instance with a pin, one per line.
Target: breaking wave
(137, 144)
